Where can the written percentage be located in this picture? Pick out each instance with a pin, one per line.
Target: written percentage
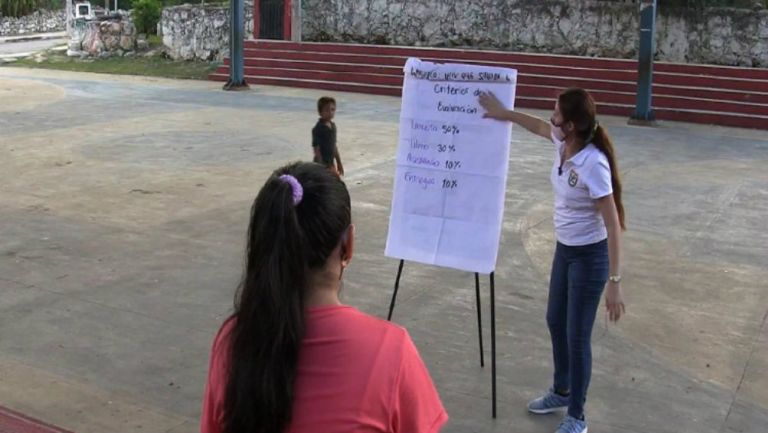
(451, 129)
(442, 148)
(450, 184)
(452, 165)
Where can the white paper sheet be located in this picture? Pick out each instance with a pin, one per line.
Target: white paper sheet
(451, 176)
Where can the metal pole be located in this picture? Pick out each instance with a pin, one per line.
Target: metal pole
(479, 319)
(644, 112)
(493, 344)
(236, 36)
(397, 286)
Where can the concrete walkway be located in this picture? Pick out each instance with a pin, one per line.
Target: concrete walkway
(17, 47)
(125, 203)
(33, 37)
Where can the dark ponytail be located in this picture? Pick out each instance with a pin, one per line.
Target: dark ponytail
(603, 142)
(578, 106)
(285, 243)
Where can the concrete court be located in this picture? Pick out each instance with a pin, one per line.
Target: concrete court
(124, 205)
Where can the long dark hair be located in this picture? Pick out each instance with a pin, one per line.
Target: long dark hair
(285, 243)
(578, 106)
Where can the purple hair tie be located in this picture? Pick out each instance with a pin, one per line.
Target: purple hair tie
(296, 188)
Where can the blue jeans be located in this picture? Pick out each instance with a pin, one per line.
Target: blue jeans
(578, 277)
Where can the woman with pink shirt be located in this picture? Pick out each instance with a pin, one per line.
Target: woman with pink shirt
(292, 358)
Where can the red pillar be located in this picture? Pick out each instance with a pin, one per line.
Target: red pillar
(287, 19)
(256, 19)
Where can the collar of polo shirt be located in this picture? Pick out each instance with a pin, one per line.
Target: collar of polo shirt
(579, 158)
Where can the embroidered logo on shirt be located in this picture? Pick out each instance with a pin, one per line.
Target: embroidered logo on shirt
(573, 178)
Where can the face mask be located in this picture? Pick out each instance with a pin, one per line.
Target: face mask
(557, 131)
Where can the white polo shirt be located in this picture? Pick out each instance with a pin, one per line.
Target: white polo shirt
(586, 177)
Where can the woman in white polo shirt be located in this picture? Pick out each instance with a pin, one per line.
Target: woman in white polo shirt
(589, 218)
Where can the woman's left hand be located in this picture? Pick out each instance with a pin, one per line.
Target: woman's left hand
(614, 301)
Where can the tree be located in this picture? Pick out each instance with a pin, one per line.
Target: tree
(18, 8)
(146, 15)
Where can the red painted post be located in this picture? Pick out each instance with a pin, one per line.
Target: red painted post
(256, 20)
(287, 19)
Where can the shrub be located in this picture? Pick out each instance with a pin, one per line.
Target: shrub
(18, 8)
(146, 15)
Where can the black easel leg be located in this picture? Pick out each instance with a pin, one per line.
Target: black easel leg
(493, 344)
(397, 286)
(479, 319)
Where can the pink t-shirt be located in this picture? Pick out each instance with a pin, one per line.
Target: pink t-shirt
(356, 373)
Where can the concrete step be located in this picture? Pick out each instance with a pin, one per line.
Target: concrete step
(608, 106)
(627, 75)
(691, 93)
(548, 90)
(523, 78)
(510, 57)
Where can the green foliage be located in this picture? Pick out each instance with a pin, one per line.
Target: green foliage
(51, 5)
(18, 8)
(129, 4)
(146, 15)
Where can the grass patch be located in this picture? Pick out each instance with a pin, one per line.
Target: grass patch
(155, 41)
(154, 66)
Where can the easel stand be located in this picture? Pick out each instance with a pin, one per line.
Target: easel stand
(479, 326)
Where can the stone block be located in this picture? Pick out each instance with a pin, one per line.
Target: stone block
(111, 42)
(94, 47)
(127, 42)
(128, 28)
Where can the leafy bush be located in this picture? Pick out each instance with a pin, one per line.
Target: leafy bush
(18, 8)
(146, 15)
(129, 4)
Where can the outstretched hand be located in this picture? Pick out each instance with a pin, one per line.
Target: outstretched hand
(494, 109)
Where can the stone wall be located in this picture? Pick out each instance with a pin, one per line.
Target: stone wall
(580, 27)
(200, 31)
(104, 39)
(39, 22)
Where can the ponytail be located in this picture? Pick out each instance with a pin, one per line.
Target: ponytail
(290, 234)
(268, 310)
(603, 142)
